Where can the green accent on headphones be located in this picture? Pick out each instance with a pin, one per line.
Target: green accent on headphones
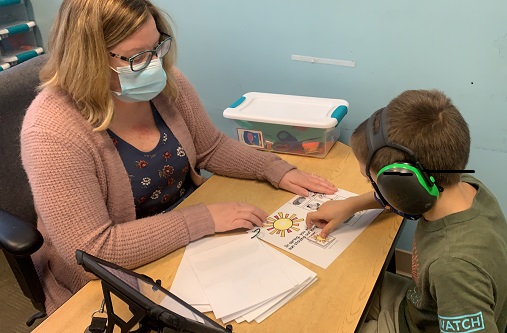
(431, 188)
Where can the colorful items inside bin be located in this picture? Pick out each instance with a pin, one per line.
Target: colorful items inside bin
(288, 124)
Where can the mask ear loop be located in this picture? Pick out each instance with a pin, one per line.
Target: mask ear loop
(116, 71)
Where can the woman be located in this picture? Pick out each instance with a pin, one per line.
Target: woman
(115, 140)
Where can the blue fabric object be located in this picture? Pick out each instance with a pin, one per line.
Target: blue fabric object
(143, 85)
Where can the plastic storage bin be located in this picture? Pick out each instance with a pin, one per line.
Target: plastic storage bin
(289, 124)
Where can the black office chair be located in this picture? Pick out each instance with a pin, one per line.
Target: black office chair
(19, 237)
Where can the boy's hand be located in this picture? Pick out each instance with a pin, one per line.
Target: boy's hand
(333, 213)
(330, 215)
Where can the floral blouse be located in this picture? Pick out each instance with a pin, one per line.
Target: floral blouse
(160, 178)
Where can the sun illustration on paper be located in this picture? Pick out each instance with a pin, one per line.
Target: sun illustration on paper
(281, 223)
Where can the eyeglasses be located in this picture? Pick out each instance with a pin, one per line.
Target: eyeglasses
(141, 60)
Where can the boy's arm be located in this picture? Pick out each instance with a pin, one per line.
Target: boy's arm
(464, 295)
(333, 213)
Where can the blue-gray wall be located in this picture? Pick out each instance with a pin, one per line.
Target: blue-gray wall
(228, 48)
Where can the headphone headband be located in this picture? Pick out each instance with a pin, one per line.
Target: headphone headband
(377, 139)
(411, 195)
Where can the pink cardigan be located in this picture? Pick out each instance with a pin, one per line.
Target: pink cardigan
(83, 196)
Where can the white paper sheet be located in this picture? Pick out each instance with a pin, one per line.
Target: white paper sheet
(277, 306)
(240, 314)
(186, 285)
(202, 307)
(239, 275)
(300, 273)
(286, 229)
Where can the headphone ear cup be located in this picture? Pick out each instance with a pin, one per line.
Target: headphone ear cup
(405, 188)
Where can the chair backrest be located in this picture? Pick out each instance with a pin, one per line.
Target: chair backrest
(17, 90)
(18, 236)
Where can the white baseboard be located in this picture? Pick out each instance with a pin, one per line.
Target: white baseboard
(403, 262)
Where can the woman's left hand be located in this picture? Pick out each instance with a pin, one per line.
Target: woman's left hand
(300, 182)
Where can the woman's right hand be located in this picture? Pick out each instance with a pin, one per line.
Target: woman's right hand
(234, 215)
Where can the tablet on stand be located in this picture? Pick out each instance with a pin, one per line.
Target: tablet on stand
(153, 307)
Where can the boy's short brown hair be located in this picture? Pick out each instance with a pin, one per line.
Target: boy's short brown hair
(426, 122)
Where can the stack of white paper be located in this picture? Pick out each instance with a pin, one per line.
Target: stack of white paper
(238, 278)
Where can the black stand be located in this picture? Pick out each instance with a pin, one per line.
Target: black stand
(138, 292)
(113, 320)
(167, 324)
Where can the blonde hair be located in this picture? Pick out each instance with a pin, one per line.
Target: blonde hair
(78, 63)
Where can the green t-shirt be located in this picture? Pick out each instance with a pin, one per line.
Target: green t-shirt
(459, 265)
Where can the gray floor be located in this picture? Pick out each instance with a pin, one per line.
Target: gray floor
(15, 308)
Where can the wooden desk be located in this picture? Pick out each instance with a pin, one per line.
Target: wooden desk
(334, 303)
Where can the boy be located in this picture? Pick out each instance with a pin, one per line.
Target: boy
(411, 152)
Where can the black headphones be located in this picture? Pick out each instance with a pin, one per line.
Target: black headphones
(405, 186)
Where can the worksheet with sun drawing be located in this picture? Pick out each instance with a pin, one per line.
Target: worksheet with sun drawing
(286, 229)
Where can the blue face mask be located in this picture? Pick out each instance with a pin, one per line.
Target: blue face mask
(143, 85)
